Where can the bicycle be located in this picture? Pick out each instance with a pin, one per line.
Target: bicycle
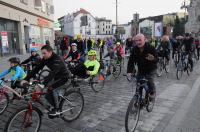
(96, 82)
(162, 65)
(29, 118)
(4, 97)
(183, 66)
(111, 68)
(140, 100)
(176, 57)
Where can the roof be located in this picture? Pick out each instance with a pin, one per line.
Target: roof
(81, 11)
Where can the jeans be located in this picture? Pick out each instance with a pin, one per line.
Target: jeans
(150, 77)
(52, 96)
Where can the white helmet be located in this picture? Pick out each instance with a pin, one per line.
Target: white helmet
(74, 44)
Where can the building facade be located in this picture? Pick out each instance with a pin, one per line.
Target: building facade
(193, 24)
(71, 24)
(25, 24)
(103, 26)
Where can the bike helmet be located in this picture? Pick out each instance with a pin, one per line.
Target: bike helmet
(14, 60)
(92, 52)
(118, 43)
(34, 50)
(74, 44)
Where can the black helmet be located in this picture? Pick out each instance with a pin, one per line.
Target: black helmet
(14, 60)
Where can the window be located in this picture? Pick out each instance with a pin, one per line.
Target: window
(89, 24)
(43, 6)
(48, 9)
(103, 29)
(103, 24)
(106, 27)
(106, 32)
(98, 26)
(24, 2)
(98, 32)
(81, 31)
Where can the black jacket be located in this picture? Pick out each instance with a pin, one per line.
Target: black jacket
(35, 60)
(137, 57)
(55, 64)
(188, 43)
(80, 45)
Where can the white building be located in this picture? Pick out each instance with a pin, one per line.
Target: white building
(193, 24)
(71, 24)
(124, 30)
(103, 28)
(146, 27)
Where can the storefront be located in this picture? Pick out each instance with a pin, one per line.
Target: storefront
(9, 38)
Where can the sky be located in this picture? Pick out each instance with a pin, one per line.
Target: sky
(126, 9)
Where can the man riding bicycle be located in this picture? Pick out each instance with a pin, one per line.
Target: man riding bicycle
(58, 75)
(188, 46)
(164, 48)
(145, 56)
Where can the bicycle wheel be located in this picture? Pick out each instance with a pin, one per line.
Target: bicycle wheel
(97, 82)
(166, 66)
(4, 101)
(189, 68)
(24, 121)
(117, 70)
(159, 70)
(150, 104)
(71, 106)
(132, 115)
(43, 74)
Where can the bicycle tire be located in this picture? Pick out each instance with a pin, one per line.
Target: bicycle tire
(189, 67)
(7, 101)
(64, 100)
(150, 101)
(159, 70)
(131, 111)
(25, 109)
(179, 74)
(117, 71)
(101, 79)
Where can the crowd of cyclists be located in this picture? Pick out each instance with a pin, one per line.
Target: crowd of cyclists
(144, 55)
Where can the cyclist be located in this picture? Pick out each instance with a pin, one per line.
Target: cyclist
(17, 73)
(89, 68)
(58, 75)
(197, 42)
(73, 54)
(188, 46)
(34, 58)
(119, 51)
(111, 54)
(164, 48)
(176, 45)
(145, 56)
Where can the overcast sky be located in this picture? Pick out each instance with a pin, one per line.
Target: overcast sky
(106, 8)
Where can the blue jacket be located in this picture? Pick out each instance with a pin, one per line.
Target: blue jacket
(17, 73)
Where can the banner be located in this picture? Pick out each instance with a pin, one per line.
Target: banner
(158, 29)
(4, 42)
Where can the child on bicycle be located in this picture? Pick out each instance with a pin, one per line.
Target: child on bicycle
(89, 68)
(17, 73)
